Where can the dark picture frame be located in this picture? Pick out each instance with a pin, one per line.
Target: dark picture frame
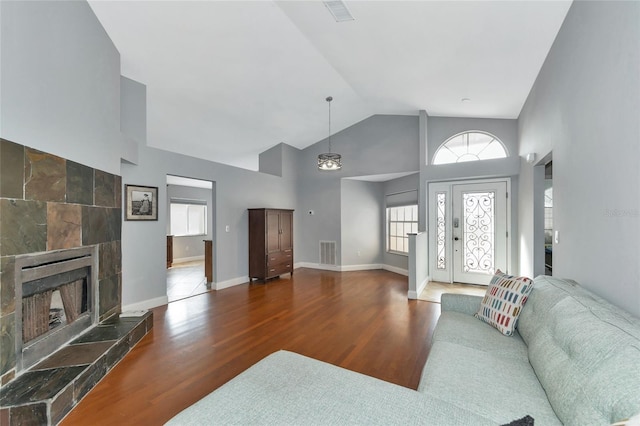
(141, 202)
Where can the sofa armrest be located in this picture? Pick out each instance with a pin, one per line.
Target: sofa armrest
(464, 303)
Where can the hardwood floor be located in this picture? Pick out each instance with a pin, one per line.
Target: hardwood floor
(361, 321)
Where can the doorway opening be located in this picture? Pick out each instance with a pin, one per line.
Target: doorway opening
(469, 222)
(190, 229)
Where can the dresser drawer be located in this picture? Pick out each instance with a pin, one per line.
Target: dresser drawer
(283, 268)
(280, 257)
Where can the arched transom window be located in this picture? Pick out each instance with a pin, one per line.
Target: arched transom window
(469, 146)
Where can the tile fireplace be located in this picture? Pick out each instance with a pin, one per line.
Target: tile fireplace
(61, 328)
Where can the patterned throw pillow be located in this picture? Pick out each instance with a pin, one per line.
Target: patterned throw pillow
(503, 301)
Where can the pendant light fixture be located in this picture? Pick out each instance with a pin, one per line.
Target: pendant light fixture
(329, 161)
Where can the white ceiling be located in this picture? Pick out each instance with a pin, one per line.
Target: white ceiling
(227, 80)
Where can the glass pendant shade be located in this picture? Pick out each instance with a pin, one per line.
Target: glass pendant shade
(329, 161)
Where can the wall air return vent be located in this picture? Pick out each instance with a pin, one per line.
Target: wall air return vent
(328, 253)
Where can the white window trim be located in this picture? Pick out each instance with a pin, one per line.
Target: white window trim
(388, 230)
(442, 146)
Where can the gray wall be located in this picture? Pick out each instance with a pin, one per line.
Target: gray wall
(378, 145)
(143, 244)
(190, 246)
(270, 161)
(406, 183)
(584, 108)
(60, 82)
(362, 216)
(133, 117)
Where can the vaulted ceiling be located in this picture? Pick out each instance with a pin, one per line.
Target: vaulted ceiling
(227, 80)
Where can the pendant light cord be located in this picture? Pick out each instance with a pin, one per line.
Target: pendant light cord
(329, 99)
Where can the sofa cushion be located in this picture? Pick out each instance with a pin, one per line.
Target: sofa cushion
(290, 389)
(503, 301)
(464, 303)
(502, 387)
(465, 330)
(585, 352)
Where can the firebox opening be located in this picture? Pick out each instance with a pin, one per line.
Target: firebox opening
(50, 309)
(58, 301)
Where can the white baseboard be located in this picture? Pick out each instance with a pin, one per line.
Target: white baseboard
(422, 285)
(230, 283)
(364, 267)
(146, 304)
(334, 268)
(350, 268)
(415, 294)
(188, 259)
(396, 270)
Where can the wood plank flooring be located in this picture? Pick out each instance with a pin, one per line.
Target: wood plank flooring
(361, 321)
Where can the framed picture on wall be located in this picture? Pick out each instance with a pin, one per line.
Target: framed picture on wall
(141, 202)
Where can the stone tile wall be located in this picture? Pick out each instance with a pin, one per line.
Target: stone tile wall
(50, 203)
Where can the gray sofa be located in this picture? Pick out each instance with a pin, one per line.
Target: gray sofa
(575, 360)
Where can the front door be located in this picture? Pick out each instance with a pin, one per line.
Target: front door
(469, 239)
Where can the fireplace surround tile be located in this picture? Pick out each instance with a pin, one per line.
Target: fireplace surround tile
(33, 414)
(79, 183)
(109, 260)
(64, 226)
(105, 189)
(118, 192)
(100, 225)
(7, 343)
(109, 330)
(45, 176)
(11, 169)
(7, 289)
(62, 405)
(89, 378)
(4, 416)
(109, 294)
(74, 355)
(50, 383)
(23, 226)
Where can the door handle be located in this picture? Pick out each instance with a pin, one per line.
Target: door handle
(456, 238)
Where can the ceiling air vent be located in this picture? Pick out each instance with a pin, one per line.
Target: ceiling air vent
(339, 10)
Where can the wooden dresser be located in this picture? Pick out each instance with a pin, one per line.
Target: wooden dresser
(270, 243)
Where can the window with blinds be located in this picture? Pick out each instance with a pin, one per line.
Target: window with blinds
(188, 217)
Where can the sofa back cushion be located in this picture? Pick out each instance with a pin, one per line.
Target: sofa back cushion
(585, 352)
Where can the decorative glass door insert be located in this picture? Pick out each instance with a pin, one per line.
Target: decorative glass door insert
(441, 232)
(478, 232)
